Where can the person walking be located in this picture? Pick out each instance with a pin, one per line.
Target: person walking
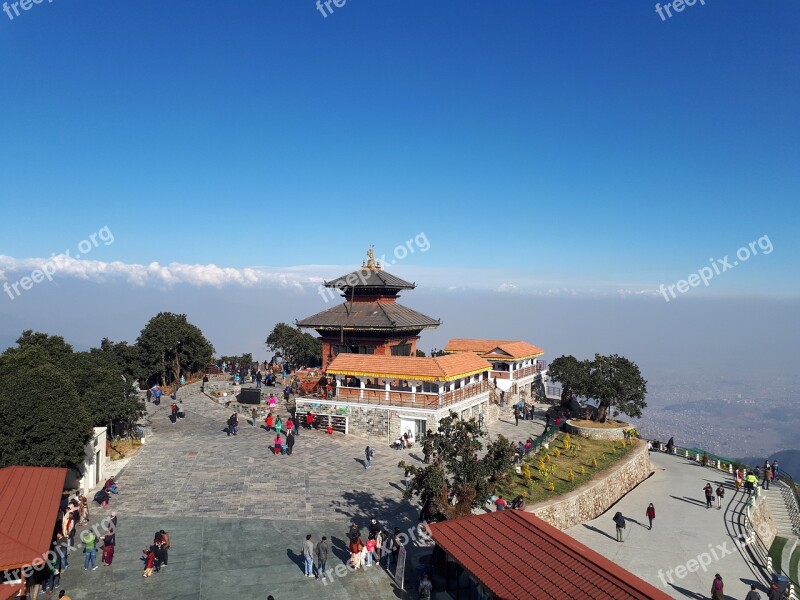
(737, 478)
(308, 555)
(720, 496)
(752, 594)
(751, 480)
(108, 549)
(165, 546)
(766, 476)
(322, 555)
(516, 416)
(278, 425)
(709, 495)
(368, 454)
(407, 477)
(233, 424)
(370, 548)
(289, 442)
(90, 550)
(717, 587)
(619, 522)
(254, 415)
(62, 549)
(393, 555)
(650, 513)
(355, 547)
(425, 587)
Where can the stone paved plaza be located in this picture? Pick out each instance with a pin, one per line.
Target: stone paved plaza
(237, 514)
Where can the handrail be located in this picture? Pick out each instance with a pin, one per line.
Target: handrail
(718, 462)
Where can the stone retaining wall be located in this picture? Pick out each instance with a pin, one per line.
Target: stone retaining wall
(762, 521)
(597, 433)
(594, 498)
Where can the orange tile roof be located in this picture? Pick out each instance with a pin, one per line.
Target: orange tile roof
(442, 368)
(30, 497)
(509, 349)
(546, 562)
(472, 345)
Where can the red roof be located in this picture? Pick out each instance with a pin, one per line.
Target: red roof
(30, 497)
(494, 349)
(518, 556)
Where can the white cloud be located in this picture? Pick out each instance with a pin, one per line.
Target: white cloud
(306, 277)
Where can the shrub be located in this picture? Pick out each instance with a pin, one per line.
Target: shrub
(571, 475)
(556, 452)
(566, 441)
(594, 462)
(552, 487)
(583, 470)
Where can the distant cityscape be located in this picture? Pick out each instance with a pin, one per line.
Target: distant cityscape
(731, 420)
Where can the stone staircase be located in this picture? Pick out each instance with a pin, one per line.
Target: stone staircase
(784, 512)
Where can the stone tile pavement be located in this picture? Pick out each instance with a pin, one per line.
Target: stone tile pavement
(237, 514)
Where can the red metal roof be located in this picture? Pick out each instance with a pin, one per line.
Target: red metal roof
(517, 556)
(29, 497)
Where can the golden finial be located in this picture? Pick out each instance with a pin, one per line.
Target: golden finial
(370, 263)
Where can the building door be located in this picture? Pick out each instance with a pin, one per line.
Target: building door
(408, 426)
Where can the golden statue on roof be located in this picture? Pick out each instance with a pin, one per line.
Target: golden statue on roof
(371, 263)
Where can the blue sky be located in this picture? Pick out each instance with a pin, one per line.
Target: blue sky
(577, 143)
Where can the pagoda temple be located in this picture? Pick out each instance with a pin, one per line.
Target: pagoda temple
(369, 320)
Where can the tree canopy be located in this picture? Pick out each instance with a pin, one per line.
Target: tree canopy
(297, 349)
(168, 345)
(457, 480)
(614, 381)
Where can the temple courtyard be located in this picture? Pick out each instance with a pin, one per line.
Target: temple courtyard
(237, 514)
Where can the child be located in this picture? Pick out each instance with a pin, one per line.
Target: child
(149, 561)
(108, 549)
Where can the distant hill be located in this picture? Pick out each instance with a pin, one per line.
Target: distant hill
(788, 460)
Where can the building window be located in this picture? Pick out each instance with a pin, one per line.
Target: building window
(401, 350)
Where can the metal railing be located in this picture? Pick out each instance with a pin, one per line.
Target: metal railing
(755, 546)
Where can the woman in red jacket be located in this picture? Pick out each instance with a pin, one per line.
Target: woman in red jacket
(149, 561)
(651, 514)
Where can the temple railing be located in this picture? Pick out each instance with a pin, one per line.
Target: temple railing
(406, 399)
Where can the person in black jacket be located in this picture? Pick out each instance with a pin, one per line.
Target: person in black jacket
(619, 521)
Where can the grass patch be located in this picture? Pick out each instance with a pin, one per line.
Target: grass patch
(119, 449)
(565, 466)
(597, 425)
(776, 550)
(794, 565)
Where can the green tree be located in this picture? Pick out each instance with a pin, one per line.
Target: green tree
(297, 348)
(125, 356)
(53, 346)
(106, 394)
(458, 481)
(572, 374)
(616, 383)
(44, 422)
(420, 353)
(169, 344)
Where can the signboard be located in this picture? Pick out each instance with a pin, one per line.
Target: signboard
(400, 569)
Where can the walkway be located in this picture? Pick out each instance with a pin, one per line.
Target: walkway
(688, 543)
